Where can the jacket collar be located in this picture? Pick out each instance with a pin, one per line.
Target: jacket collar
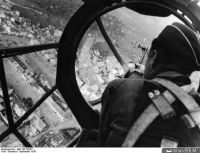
(175, 77)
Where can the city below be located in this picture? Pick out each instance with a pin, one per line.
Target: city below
(29, 77)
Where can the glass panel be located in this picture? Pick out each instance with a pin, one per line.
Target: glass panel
(25, 91)
(11, 141)
(43, 66)
(30, 76)
(50, 125)
(44, 13)
(9, 40)
(132, 32)
(96, 65)
(29, 22)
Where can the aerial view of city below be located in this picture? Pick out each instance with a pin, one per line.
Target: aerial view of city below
(29, 77)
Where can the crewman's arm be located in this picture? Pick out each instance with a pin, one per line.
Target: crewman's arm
(118, 106)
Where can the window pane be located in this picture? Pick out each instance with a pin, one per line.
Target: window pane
(43, 65)
(96, 65)
(132, 32)
(50, 125)
(32, 75)
(47, 12)
(26, 91)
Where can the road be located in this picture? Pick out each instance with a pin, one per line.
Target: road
(25, 7)
(23, 89)
(40, 66)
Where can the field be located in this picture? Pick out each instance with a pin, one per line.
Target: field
(48, 12)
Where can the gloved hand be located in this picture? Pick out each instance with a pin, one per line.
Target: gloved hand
(136, 70)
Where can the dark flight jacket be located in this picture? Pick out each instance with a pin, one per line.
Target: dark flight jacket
(124, 100)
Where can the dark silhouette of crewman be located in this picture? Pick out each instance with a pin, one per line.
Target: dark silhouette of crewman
(174, 56)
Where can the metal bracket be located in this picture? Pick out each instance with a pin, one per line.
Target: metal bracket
(162, 104)
(192, 119)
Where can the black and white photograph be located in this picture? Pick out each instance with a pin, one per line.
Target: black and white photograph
(100, 74)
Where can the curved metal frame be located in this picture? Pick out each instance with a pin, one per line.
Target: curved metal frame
(12, 127)
(66, 80)
(85, 115)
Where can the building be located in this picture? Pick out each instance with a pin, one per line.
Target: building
(53, 62)
(6, 6)
(9, 24)
(18, 111)
(7, 28)
(37, 125)
(2, 15)
(57, 33)
(12, 19)
(30, 36)
(17, 13)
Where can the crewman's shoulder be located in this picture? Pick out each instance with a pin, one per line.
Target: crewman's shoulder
(128, 84)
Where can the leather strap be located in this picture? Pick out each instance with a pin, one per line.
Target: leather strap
(149, 115)
(141, 124)
(162, 104)
(152, 112)
(180, 94)
(187, 100)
